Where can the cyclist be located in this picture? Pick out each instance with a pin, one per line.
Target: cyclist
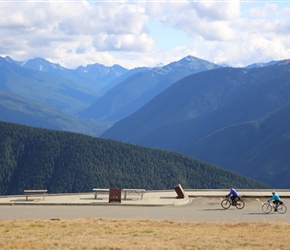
(233, 194)
(276, 200)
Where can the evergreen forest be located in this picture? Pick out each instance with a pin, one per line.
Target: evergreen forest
(66, 162)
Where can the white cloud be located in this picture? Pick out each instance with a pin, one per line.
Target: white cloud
(126, 42)
(217, 11)
(266, 11)
(85, 32)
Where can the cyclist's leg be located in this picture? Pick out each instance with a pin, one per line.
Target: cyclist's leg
(276, 203)
(234, 199)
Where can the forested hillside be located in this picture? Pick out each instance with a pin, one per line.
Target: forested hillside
(33, 158)
(268, 156)
(19, 110)
(234, 118)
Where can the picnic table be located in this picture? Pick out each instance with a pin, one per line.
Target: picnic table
(136, 191)
(126, 192)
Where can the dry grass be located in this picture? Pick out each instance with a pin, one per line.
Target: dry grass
(93, 233)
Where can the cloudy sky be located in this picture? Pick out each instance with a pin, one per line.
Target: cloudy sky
(145, 33)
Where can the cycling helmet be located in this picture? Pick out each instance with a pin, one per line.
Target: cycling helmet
(273, 192)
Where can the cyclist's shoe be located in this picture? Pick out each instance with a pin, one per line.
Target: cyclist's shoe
(275, 210)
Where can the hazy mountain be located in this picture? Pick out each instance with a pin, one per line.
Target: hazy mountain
(100, 74)
(17, 109)
(51, 89)
(131, 94)
(54, 91)
(123, 77)
(97, 77)
(41, 64)
(202, 104)
(259, 149)
(259, 65)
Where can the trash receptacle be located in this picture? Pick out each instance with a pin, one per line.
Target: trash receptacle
(115, 195)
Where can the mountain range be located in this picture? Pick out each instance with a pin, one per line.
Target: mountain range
(135, 91)
(229, 117)
(90, 98)
(235, 118)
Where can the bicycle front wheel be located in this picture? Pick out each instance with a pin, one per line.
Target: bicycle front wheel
(225, 203)
(267, 208)
(282, 209)
(240, 204)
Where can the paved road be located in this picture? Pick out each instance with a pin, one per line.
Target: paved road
(200, 209)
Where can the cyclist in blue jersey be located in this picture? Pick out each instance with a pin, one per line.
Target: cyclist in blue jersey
(276, 200)
(233, 194)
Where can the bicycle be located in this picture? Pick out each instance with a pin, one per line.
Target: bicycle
(238, 203)
(269, 206)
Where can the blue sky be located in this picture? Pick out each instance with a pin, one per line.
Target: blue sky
(167, 37)
(145, 33)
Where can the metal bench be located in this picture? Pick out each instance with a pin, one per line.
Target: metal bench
(100, 190)
(35, 193)
(136, 191)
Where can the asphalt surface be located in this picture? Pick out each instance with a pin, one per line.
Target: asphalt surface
(155, 205)
(199, 209)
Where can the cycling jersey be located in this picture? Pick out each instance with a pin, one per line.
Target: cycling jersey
(275, 197)
(233, 192)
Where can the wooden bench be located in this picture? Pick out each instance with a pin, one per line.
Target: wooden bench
(100, 190)
(35, 193)
(136, 191)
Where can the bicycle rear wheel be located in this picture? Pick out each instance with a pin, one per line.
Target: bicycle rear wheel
(225, 203)
(267, 208)
(281, 209)
(240, 204)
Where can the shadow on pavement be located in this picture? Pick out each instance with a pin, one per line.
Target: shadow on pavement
(24, 200)
(213, 209)
(257, 213)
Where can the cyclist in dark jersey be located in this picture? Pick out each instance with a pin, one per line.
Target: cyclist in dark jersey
(233, 194)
